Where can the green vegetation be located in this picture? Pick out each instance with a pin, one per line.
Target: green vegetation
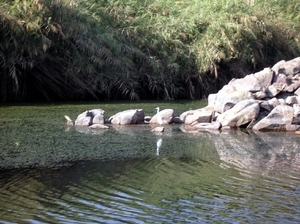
(159, 49)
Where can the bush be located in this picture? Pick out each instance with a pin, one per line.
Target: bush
(93, 49)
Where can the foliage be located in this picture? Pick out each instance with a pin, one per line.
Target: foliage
(93, 49)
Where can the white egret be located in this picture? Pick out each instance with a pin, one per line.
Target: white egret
(158, 116)
(158, 144)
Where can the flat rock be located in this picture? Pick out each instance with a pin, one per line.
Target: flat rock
(133, 116)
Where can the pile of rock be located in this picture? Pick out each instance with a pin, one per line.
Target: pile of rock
(91, 118)
(266, 100)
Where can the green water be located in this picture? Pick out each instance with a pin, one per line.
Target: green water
(37, 135)
(118, 175)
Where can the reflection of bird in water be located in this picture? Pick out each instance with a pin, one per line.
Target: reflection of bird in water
(158, 144)
(159, 118)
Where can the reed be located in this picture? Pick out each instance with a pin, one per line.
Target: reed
(162, 49)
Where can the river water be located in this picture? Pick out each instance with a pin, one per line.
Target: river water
(52, 173)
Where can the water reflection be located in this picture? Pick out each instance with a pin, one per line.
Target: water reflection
(88, 130)
(201, 177)
(183, 189)
(158, 145)
(260, 152)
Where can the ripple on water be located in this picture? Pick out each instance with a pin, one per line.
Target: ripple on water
(161, 189)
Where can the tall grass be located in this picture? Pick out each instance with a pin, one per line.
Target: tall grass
(96, 49)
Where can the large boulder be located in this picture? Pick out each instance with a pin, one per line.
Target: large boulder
(133, 116)
(227, 97)
(277, 119)
(203, 115)
(288, 68)
(254, 82)
(242, 113)
(166, 116)
(89, 117)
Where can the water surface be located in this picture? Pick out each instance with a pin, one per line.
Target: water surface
(64, 174)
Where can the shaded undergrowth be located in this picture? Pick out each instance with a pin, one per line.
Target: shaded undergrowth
(93, 49)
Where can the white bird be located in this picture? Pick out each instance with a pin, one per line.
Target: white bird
(158, 144)
(159, 118)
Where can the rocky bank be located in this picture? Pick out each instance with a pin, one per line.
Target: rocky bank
(268, 100)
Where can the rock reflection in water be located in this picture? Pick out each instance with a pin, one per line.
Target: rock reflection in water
(258, 151)
(87, 130)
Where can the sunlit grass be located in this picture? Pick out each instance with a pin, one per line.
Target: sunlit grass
(148, 49)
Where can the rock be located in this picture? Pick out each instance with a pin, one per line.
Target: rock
(290, 100)
(296, 108)
(277, 119)
(266, 105)
(98, 116)
(293, 87)
(166, 115)
(263, 100)
(89, 117)
(254, 82)
(297, 92)
(274, 89)
(133, 116)
(177, 120)
(283, 96)
(273, 102)
(226, 97)
(292, 127)
(242, 113)
(203, 115)
(288, 68)
(262, 114)
(183, 116)
(211, 99)
(296, 118)
(84, 119)
(259, 95)
(282, 79)
(225, 128)
(277, 66)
